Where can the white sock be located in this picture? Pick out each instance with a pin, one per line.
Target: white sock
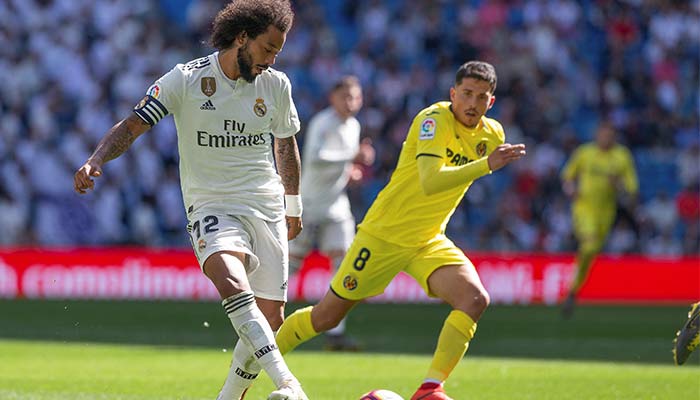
(244, 369)
(255, 333)
(338, 330)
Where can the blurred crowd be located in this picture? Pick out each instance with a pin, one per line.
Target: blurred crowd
(75, 67)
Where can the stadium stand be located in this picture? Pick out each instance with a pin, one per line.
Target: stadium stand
(74, 67)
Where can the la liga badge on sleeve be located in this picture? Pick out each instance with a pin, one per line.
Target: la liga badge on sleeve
(427, 129)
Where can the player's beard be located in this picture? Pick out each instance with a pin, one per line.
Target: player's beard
(245, 64)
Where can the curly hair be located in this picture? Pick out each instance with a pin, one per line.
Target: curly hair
(478, 70)
(250, 16)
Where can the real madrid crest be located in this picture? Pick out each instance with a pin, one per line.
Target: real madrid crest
(260, 109)
(481, 149)
(208, 85)
(201, 244)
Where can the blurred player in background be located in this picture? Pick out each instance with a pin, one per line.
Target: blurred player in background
(228, 107)
(448, 146)
(688, 338)
(332, 152)
(598, 176)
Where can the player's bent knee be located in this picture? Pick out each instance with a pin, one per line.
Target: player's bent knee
(474, 304)
(482, 300)
(228, 287)
(227, 273)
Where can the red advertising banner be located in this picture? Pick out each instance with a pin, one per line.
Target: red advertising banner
(109, 273)
(139, 273)
(539, 278)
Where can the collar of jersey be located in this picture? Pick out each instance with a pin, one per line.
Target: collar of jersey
(462, 129)
(231, 82)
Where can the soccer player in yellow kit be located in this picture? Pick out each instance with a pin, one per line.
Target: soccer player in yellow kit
(597, 176)
(449, 145)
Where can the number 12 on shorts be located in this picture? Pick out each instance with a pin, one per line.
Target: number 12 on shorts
(209, 222)
(195, 229)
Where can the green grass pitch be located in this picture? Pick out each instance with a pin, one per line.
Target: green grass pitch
(80, 350)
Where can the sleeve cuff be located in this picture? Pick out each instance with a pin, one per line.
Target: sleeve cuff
(483, 164)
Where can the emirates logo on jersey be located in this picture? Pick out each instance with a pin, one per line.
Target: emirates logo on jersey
(260, 109)
(208, 85)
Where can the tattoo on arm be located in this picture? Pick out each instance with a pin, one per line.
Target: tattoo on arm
(119, 138)
(288, 163)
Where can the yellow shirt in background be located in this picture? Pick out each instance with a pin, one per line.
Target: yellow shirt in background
(596, 171)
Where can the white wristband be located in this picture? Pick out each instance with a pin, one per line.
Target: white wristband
(292, 205)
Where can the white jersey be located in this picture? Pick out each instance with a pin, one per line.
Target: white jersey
(330, 145)
(225, 130)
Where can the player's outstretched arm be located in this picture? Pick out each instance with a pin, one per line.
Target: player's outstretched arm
(289, 167)
(112, 145)
(436, 177)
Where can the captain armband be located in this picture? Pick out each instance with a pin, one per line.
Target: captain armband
(150, 110)
(292, 205)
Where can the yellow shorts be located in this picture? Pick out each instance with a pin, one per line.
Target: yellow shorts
(591, 222)
(371, 263)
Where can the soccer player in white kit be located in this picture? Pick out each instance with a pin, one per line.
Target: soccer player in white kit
(332, 150)
(236, 122)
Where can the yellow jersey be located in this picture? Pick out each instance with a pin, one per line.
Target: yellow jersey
(402, 213)
(597, 170)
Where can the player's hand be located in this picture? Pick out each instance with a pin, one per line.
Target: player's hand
(294, 227)
(569, 188)
(82, 180)
(366, 154)
(505, 154)
(356, 174)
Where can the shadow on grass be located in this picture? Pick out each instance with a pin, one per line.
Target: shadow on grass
(603, 333)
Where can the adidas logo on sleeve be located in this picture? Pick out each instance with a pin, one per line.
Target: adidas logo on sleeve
(208, 105)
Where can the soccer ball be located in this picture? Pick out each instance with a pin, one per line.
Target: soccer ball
(381, 394)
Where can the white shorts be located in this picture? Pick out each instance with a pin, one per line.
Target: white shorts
(264, 243)
(325, 236)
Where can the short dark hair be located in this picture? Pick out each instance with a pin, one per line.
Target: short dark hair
(346, 81)
(478, 70)
(250, 16)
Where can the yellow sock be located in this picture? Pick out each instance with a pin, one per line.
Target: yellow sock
(453, 342)
(584, 259)
(295, 330)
